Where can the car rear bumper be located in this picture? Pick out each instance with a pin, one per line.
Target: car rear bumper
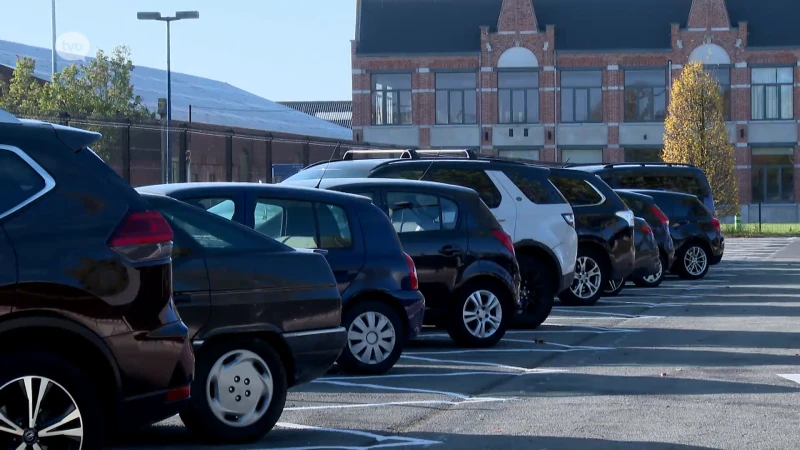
(413, 303)
(646, 264)
(315, 351)
(565, 282)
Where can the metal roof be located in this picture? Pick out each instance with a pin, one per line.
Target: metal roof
(338, 112)
(213, 102)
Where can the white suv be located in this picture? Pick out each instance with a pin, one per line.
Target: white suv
(531, 209)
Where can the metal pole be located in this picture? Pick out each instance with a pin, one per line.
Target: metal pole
(169, 108)
(53, 32)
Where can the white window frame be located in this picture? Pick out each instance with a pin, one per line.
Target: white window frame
(49, 182)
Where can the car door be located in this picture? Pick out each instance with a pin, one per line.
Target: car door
(432, 231)
(8, 273)
(190, 288)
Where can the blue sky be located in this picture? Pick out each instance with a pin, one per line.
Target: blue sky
(278, 49)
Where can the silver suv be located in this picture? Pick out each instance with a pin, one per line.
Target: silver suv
(522, 198)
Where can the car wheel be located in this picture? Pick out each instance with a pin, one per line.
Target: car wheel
(375, 338)
(537, 292)
(239, 392)
(590, 277)
(655, 279)
(613, 287)
(693, 261)
(47, 402)
(480, 315)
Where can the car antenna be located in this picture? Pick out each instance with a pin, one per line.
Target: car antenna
(338, 144)
(566, 162)
(430, 165)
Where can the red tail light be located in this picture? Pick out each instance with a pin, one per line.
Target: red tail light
(142, 236)
(659, 214)
(646, 229)
(412, 271)
(503, 237)
(715, 224)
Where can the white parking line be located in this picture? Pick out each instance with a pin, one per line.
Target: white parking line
(791, 377)
(472, 363)
(600, 318)
(384, 441)
(507, 350)
(599, 313)
(391, 388)
(408, 403)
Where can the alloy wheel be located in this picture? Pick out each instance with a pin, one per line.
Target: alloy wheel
(239, 388)
(695, 261)
(655, 277)
(371, 337)
(588, 278)
(614, 285)
(36, 413)
(482, 314)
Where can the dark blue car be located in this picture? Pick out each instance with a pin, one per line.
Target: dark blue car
(382, 304)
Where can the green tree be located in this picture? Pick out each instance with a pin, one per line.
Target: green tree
(696, 133)
(23, 93)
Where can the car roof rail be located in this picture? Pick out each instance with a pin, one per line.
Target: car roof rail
(408, 153)
(7, 117)
(646, 164)
(446, 153)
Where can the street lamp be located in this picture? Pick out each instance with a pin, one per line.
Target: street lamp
(180, 15)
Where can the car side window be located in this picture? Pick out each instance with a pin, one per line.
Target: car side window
(640, 181)
(19, 182)
(579, 192)
(538, 190)
(470, 178)
(412, 212)
(689, 185)
(698, 209)
(399, 172)
(221, 206)
(289, 222)
(637, 206)
(334, 228)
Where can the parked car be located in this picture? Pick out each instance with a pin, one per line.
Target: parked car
(530, 209)
(674, 177)
(262, 316)
(465, 260)
(647, 257)
(696, 233)
(606, 248)
(90, 339)
(645, 207)
(382, 304)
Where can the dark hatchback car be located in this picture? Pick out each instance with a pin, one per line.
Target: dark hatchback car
(606, 246)
(90, 339)
(465, 261)
(382, 306)
(262, 316)
(647, 262)
(674, 177)
(695, 231)
(645, 207)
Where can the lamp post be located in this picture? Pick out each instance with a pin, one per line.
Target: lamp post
(180, 15)
(53, 26)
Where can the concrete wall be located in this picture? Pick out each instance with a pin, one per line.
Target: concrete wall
(455, 136)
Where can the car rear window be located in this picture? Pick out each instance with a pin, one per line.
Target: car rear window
(579, 192)
(19, 182)
(635, 204)
(536, 188)
(677, 182)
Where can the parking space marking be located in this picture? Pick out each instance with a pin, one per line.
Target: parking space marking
(791, 377)
(624, 304)
(485, 364)
(603, 318)
(407, 403)
(510, 350)
(391, 388)
(599, 313)
(384, 441)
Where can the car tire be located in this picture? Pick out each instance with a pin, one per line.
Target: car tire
(656, 279)
(363, 322)
(693, 261)
(613, 288)
(257, 359)
(592, 263)
(537, 292)
(68, 390)
(475, 305)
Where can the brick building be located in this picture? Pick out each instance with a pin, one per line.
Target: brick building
(581, 80)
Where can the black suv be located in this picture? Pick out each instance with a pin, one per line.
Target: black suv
(645, 207)
(696, 233)
(647, 262)
(263, 317)
(674, 177)
(382, 306)
(466, 264)
(90, 340)
(605, 226)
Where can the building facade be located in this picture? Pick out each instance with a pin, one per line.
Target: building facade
(581, 80)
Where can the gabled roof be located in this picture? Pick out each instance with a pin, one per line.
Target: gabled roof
(213, 102)
(453, 26)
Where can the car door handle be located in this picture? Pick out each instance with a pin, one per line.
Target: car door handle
(501, 220)
(449, 250)
(321, 251)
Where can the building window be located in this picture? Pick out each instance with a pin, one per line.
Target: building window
(643, 155)
(391, 99)
(773, 175)
(582, 96)
(771, 91)
(645, 95)
(456, 98)
(519, 154)
(518, 97)
(723, 77)
(582, 156)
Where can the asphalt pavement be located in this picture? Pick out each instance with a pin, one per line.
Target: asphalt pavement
(700, 364)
